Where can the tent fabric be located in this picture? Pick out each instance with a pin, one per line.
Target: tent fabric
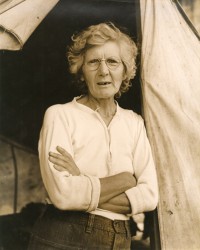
(170, 75)
(6, 4)
(192, 10)
(18, 20)
(20, 179)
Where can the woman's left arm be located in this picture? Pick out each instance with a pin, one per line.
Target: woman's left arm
(143, 197)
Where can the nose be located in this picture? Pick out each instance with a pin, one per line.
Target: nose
(103, 68)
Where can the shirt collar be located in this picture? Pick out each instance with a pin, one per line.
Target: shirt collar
(89, 110)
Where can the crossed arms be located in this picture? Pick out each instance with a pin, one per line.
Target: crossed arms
(112, 195)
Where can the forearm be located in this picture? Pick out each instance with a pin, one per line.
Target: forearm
(67, 190)
(115, 185)
(118, 204)
(111, 186)
(71, 192)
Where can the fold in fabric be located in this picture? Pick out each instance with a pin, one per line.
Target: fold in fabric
(6, 4)
(170, 74)
(18, 20)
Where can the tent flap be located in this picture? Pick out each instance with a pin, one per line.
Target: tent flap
(171, 89)
(17, 22)
(6, 4)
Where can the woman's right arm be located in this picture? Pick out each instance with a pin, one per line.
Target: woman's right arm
(65, 191)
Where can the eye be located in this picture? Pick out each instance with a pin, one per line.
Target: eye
(93, 61)
(112, 61)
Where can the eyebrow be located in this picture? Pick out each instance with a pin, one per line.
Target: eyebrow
(98, 57)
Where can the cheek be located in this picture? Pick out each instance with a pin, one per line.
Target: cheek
(89, 81)
(86, 76)
(120, 77)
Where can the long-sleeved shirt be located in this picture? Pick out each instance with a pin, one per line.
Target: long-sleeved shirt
(98, 151)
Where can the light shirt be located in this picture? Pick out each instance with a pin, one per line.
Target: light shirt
(98, 151)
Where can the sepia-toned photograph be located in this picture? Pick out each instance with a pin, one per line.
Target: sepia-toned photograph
(99, 124)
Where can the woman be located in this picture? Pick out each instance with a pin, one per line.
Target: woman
(95, 158)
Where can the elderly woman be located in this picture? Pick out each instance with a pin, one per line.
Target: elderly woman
(95, 158)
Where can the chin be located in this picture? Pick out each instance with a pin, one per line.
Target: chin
(105, 95)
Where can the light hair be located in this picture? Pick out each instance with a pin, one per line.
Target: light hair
(99, 35)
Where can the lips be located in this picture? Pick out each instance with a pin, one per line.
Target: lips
(103, 83)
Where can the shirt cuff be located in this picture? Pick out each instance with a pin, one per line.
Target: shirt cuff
(95, 193)
(135, 198)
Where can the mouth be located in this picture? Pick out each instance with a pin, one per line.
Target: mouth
(103, 83)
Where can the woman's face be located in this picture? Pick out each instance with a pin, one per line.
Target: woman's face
(103, 70)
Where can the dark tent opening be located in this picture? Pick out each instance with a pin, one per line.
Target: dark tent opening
(37, 76)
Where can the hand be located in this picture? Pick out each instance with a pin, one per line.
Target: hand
(63, 161)
(118, 204)
(129, 179)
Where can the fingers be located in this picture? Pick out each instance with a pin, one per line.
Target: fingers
(62, 151)
(129, 179)
(59, 168)
(55, 156)
(61, 165)
(63, 161)
(58, 161)
(61, 158)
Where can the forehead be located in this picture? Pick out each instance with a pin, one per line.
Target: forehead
(106, 50)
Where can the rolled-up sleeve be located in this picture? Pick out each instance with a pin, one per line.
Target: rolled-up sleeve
(65, 191)
(143, 197)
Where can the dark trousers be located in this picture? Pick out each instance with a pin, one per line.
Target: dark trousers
(56, 229)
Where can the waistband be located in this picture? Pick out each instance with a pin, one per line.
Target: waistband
(90, 221)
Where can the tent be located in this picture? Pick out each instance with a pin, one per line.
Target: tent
(16, 28)
(170, 82)
(170, 75)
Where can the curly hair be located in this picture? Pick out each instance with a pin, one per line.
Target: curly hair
(99, 35)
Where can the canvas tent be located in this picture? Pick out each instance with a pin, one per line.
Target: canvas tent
(170, 75)
(170, 80)
(18, 20)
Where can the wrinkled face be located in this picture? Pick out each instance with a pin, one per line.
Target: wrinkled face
(103, 70)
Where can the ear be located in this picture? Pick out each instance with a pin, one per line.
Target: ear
(124, 76)
(82, 78)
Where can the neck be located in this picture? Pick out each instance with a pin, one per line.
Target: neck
(106, 107)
